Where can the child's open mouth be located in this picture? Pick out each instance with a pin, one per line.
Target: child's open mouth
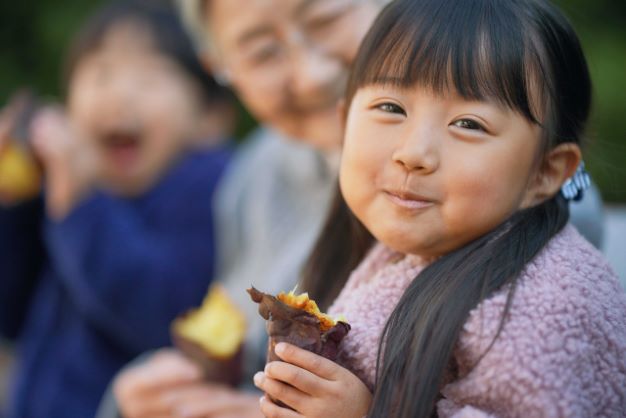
(122, 148)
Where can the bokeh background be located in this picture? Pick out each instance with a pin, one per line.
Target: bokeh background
(35, 33)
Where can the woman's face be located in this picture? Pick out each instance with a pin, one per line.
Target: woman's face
(289, 60)
(427, 174)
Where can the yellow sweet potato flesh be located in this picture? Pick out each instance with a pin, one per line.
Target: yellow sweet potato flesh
(218, 325)
(307, 304)
(19, 175)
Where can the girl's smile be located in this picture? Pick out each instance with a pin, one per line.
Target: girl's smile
(428, 173)
(408, 200)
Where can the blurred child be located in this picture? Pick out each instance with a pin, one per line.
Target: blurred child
(473, 296)
(122, 241)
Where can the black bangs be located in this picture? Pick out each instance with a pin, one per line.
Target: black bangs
(471, 47)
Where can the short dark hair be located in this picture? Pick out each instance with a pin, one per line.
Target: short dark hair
(170, 39)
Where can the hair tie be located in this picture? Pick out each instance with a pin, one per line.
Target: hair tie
(575, 186)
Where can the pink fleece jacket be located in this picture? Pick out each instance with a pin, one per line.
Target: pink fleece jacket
(561, 353)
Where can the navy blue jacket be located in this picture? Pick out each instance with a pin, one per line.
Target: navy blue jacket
(84, 296)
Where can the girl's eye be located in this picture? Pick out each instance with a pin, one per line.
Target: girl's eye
(391, 108)
(469, 124)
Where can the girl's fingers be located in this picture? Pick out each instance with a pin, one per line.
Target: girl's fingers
(297, 377)
(271, 410)
(279, 390)
(314, 363)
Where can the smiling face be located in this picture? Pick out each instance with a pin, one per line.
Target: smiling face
(135, 105)
(427, 174)
(288, 60)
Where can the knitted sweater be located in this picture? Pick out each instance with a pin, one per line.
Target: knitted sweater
(561, 353)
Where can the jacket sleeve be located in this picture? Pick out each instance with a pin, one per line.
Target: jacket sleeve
(21, 259)
(130, 278)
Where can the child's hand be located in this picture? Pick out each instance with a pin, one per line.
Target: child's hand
(312, 385)
(69, 161)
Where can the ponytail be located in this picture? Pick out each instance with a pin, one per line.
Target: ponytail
(419, 338)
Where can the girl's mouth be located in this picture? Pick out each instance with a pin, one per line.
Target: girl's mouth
(408, 200)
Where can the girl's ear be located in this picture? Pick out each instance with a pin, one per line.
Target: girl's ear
(559, 165)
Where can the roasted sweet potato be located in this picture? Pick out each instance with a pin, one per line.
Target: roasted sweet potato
(20, 171)
(213, 337)
(297, 321)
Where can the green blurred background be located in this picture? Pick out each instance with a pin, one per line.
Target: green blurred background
(34, 34)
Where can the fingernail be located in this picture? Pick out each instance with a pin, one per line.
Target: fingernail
(262, 399)
(258, 378)
(280, 348)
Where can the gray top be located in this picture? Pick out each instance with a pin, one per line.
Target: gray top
(269, 209)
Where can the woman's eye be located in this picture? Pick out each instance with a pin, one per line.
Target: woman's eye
(322, 22)
(391, 108)
(468, 124)
(327, 18)
(262, 55)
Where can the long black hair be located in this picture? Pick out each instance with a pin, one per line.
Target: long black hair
(523, 54)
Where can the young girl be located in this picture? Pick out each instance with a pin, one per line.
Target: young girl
(473, 297)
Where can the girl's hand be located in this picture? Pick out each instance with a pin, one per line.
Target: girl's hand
(70, 162)
(312, 385)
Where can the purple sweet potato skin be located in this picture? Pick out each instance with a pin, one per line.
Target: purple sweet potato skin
(297, 327)
(225, 371)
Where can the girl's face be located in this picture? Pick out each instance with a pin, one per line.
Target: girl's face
(427, 174)
(135, 105)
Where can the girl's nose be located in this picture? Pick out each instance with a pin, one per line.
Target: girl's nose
(419, 152)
